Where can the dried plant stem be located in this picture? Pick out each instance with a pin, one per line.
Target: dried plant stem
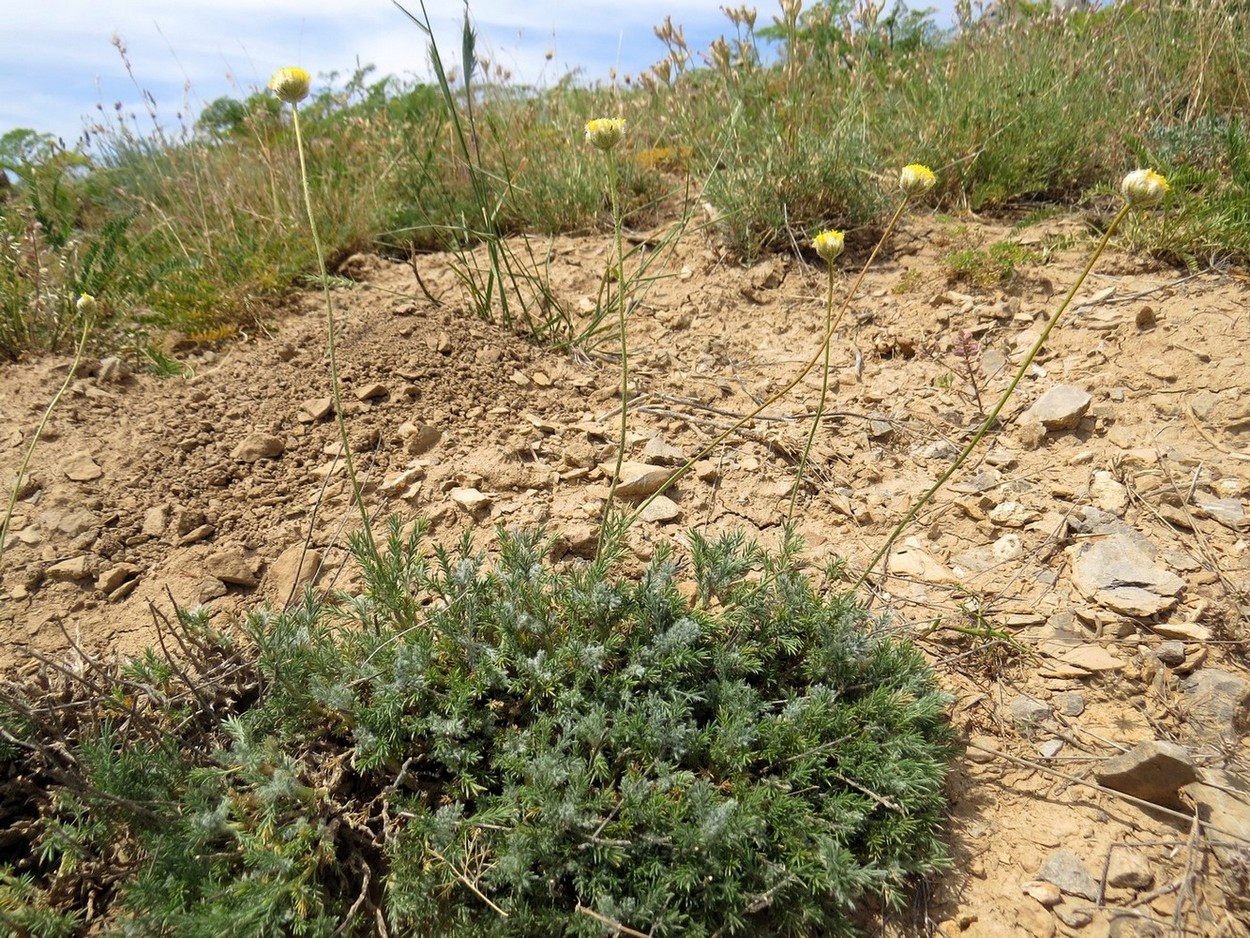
(992, 416)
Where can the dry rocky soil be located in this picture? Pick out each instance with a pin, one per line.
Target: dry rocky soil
(1082, 586)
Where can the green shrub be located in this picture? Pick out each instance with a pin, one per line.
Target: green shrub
(511, 748)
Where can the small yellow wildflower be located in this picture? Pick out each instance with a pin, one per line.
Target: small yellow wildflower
(1144, 188)
(916, 178)
(829, 244)
(86, 304)
(290, 84)
(605, 132)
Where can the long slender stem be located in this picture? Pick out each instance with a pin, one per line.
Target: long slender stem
(998, 407)
(43, 423)
(820, 407)
(620, 295)
(331, 347)
(806, 370)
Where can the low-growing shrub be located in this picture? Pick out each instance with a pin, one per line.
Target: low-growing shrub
(506, 747)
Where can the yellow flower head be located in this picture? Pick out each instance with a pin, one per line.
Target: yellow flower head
(916, 178)
(605, 132)
(85, 304)
(290, 84)
(829, 244)
(1144, 188)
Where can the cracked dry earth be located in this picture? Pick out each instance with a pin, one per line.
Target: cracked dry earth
(1081, 586)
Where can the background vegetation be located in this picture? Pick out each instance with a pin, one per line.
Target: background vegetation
(783, 127)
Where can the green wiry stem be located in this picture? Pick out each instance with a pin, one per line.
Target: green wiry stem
(620, 295)
(341, 420)
(830, 328)
(820, 407)
(992, 417)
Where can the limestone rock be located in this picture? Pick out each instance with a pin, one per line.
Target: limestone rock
(81, 468)
(314, 409)
(1227, 511)
(1047, 894)
(1115, 572)
(661, 509)
(1128, 869)
(288, 575)
(659, 452)
(638, 480)
(155, 520)
(1153, 771)
(1028, 711)
(230, 566)
(1217, 702)
(418, 437)
(1060, 408)
(112, 578)
(373, 391)
(1065, 869)
(257, 446)
(75, 568)
(470, 499)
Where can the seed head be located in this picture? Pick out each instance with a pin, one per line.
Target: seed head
(1144, 188)
(829, 244)
(605, 132)
(86, 304)
(916, 178)
(290, 84)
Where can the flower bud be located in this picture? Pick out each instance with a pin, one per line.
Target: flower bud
(916, 178)
(829, 244)
(1144, 188)
(290, 84)
(605, 132)
(86, 304)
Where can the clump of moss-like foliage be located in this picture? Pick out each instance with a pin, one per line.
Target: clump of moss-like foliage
(489, 748)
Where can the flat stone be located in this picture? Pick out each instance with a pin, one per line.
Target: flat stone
(1028, 711)
(1186, 631)
(1216, 702)
(75, 568)
(1153, 771)
(638, 480)
(1092, 658)
(372, 392)
(470, 499)
(1013, 514)
(1115, 572)
(113, 577)
(1128, 869)
(1227, 511)
(1224, 803)
(659, 452)
(418, 437)
(1072, 916)
(1060, 408)
(912, 560)
(314, 409)
(81, 468)
(1108, 493)
(404, 484)
(112, 369)
(1047, 894)
(661, 509)
(257, 446)
(1171, 653)
(230, 566)
(294, 569)
(1065, 869)
(155, 519)
(1070, 703)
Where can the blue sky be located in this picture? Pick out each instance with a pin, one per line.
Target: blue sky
(58, 61)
